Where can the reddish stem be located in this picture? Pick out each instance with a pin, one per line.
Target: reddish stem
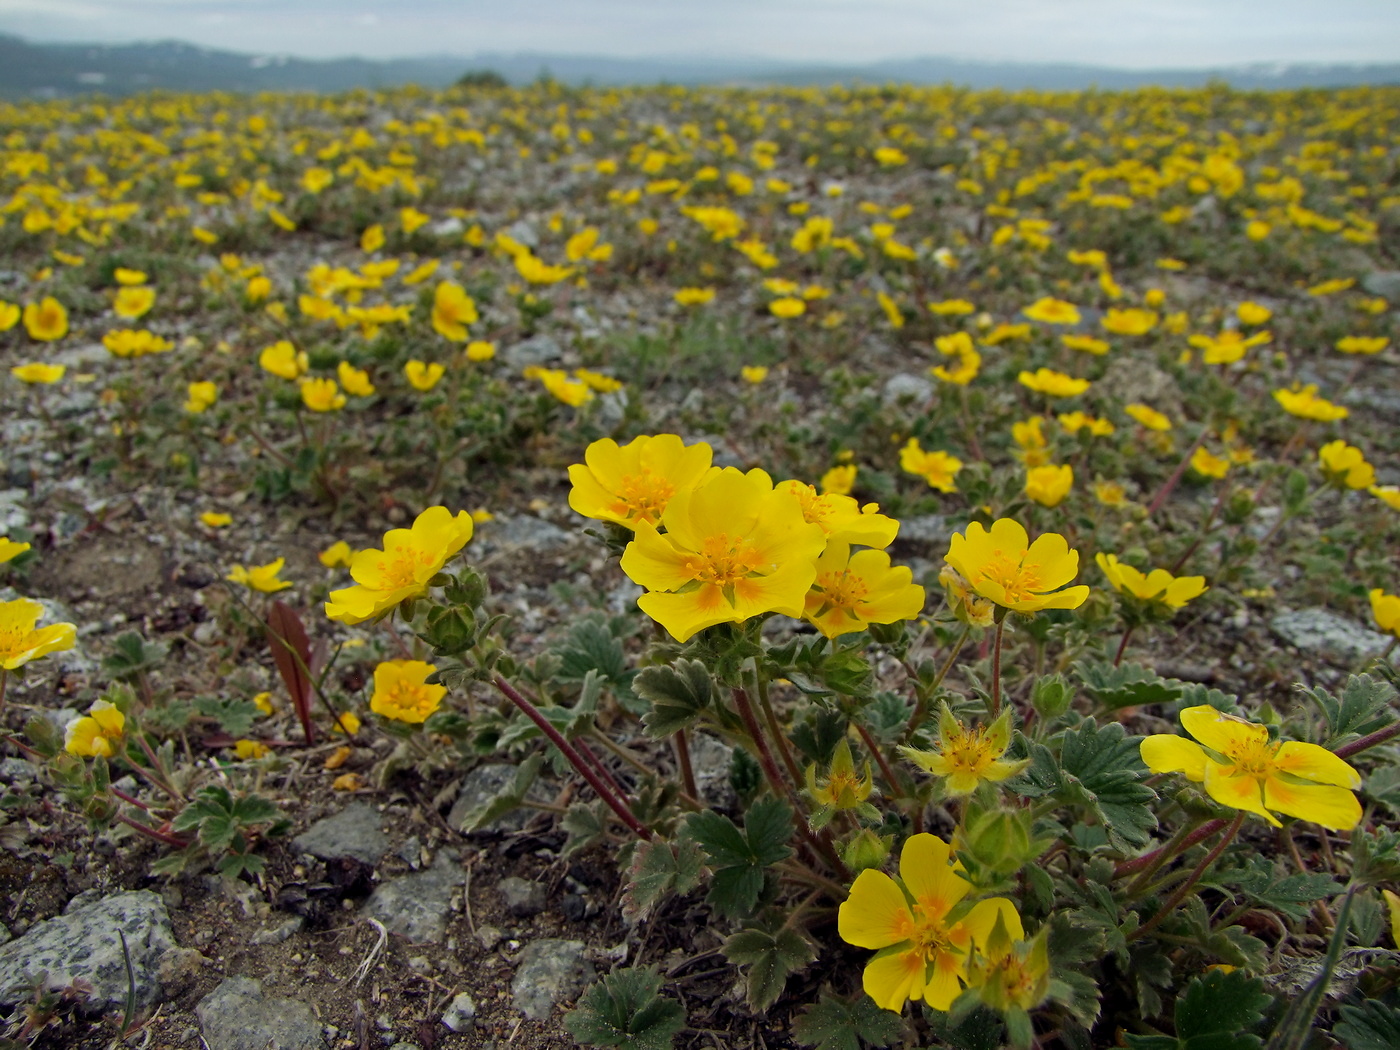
(1171, 482)
(159, 836)
(1205, 831)
(1380, 736)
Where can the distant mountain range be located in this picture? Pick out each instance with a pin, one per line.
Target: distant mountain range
(64, 70)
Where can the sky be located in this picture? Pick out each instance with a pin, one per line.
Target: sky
(1129, 34)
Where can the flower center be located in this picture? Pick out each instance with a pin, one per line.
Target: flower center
(843, 589)
(644, 496)
(1020, 582)
(409, 697)
(723, 560)
(403, 566)
(1254, 758)
(969, 751)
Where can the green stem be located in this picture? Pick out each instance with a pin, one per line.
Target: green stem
(772, 719)
(996, 666)
(1160, 856)
(921, 706)
(1181, 891)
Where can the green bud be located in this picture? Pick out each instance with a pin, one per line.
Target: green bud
(1001, 840)
(468, 588)
(1051, 696)
(865, 849)
(450, 630)
(1239, 508)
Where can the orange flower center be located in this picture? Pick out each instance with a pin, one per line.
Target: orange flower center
(405, 566)
(1253, 758)
(1021, 582)
(843, 589)
(723, 560)
(644, 496)
(409, 697)
(968, 752)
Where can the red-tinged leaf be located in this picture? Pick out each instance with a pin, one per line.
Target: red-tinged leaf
(291, 650)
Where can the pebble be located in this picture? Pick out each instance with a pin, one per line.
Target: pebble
(352, 833)
(416, 906)
(522, 897)
(549, 972)
(460, 1014)
(237, 1016)
(1329, 635)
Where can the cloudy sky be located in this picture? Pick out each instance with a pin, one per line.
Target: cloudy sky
(1124, 33)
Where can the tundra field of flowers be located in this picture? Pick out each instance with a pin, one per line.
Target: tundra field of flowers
(853, 567)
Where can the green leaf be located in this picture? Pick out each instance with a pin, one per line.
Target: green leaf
(1222, 1002)
(659, 868)
(1105, 767)
(832, 1023)
(625, 1010)
(1261, 881)
(1372, 1025)
(495, 808)
(740, 857)
(1297, 1023)
(585, 824)
(131, 656)
(772, 951)
(678, 695)
(1127, 685)
(235, 717)
(254, 809)
(1363, 707)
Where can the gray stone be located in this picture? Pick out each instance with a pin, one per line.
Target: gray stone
(411, 852)
(539, 350)
(524, 532)
(460, 1014)
(280, 932)
(904, 387)
(710, 761)
(14, 510)
(926, 528)
(482, 785)
(1132, 380)
(237, 1016)
(1385, 283)
(83, 945)
(550, 971)
(522, 897)
(416, 906)
(1324, 633)
(523, 232)
(353, 833)
(17, 770)
(489, 936)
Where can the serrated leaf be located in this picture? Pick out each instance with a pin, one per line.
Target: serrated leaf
(832, 1023)
(235, 717)
(1371, 1025)
(1106, 764)
(1127, 685)
(1259, 879)
(585, 824)
(493, 809)
(771, 951)
(1222, 1002)
(678, 695)
(659, 868)
(625, 1010)
(1362, 707)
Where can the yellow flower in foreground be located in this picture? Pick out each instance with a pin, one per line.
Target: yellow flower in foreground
(403, 569)
(38, 373)
(1000, 564)
(216, 520)
(635, 482)
(200, 396)
(852, 591)
(1361, 344)
(966, 756)
(337, 555)
(92, 735)
(1149, 417)
(1208, 464)
(1240, 768)
(1158, 585)
(423, 376)
(734, 548)
(1050, 484)
(839, 479)
(1052, 384)
(754, 374)
(322, 395)
(1052, 311)
(134, 301)
(284, 360)
(262, 578)
(1345, 466)
(1386, 609)
(1303, 402)
(402, 692)
(11, 549)
(936, 467)
(354, 381)
(21, 641)
(923, 929)
(46, 320)
(453, 310)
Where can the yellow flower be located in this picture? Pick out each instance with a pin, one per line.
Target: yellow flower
(1110, 493)
(951, 307)
(1074, 422)
(1386, 609)
(201, 396)
(1029, 436)
(21, 641)
(1052, 384)
(1241, 769)
(453, 310)
(134, 301)
(1092, 257)
(1252, 313)
(1085, 343)
(1005, 333)
(1010, 973)
(1340, 284)
(9, 315)
(322, 395)
(11, 549)
(1050, 484)
(314, 180)
(842, 789)
(1149, 417)
(1001, 565)
(412, 219)
(923, 930)
(39, 373)
(46, 320)
(403, 569)
(1227, 347)
(938, 468)
(967, 606)
(694, 296)
(966, 756)
(263, 702)
(1131, 321)
(734, 548)
(635, 482)
(1157, 586)
(841, 518)
(1392, 903)
(248, 750)
(215, 520)
(969, 361)
(1360, 344)
(854, 590)
(262, 578)
(1208, 464)
(337, 555)
(347, 723)
(480, 350)
(258, 289)
(372, 239)
(422, 272)
(891, 308)
(93, 735)
(423, 376)
(1052, 311)
(355, 381)
(788, 306)
(1303, 402)
(126, 277)
(284, 360)
(536, 271)
(754, 374)
(402, 692)
(1257, 229)
(1387, 494)
(1345, 466)
(839, 480)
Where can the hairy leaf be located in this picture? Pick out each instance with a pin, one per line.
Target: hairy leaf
(771, 951)
(678, 695)
(832, 1023)
(625, 1009)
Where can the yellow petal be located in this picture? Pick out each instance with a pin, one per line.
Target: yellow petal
(944, 984)
(1315, 763)
(1332, 807)
(1219, 731)
(891, 980)
(983, 917)
(876, 914)
(1237, 792)
(927, 875)
(1164, 753)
